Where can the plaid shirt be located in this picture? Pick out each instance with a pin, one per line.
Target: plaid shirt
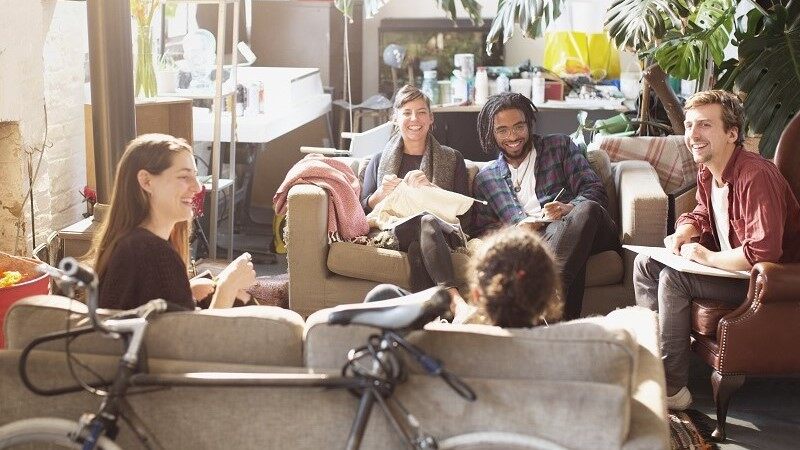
(559, 164)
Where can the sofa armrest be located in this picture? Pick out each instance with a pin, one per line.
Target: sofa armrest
(777, 283)
(307, 245)
(642, 204)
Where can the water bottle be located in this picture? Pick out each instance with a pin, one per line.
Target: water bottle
(460, 88)
(481, 86)
(538, 82)
(503, 85)
(429, 85)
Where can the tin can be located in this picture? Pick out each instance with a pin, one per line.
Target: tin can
(252, 99)
(241, 99)
(262, 98)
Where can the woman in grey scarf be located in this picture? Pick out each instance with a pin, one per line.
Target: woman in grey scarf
(414, 155)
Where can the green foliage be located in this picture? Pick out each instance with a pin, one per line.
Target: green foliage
(533, 16)
(371, 8)
(684, 53)
(638, 25)
(768, 70)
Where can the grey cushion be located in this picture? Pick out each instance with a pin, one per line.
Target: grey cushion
(601, 164)
(259, 335)
(604, 268)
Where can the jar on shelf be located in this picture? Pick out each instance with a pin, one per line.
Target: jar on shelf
(430, 85)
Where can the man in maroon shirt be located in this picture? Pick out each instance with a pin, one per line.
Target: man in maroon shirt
(746, 213)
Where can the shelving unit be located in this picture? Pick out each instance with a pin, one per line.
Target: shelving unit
(218, 97)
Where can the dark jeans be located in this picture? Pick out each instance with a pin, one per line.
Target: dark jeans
(428, 241)
(585, 231)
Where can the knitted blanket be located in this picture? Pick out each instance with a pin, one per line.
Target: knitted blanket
(346, 218)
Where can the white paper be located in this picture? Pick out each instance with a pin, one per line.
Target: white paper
(681, 264)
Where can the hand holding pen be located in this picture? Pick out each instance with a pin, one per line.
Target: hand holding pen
(555, 209)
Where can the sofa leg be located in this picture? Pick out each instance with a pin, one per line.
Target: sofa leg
(724, 386)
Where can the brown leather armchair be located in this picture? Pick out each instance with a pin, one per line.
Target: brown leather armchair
(760, 336)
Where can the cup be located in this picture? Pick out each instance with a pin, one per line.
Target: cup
(521, 86)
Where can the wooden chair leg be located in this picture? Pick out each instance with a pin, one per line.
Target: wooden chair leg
(724, 386)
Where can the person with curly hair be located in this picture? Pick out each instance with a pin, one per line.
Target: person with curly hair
(514, 283)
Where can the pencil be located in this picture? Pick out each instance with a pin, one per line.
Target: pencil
(554, 200)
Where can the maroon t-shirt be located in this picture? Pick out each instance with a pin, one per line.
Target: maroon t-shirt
(143, 267)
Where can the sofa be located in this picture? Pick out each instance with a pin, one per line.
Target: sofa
(322, 275)
(592, 383)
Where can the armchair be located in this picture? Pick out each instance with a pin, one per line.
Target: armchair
(756, 338)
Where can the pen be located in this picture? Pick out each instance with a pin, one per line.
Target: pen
(554, 199)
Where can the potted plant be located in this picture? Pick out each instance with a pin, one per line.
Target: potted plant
(167, 74)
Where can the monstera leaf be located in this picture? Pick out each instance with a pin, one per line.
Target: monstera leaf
(707, 33)
(371, 8)
(768, 72)
(533, 16)
(639, 24)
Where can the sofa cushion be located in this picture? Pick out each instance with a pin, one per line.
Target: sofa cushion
(601, 165)
(255, 335)
(595, 358)
(668, 155)
(604, 268)
(381, 265)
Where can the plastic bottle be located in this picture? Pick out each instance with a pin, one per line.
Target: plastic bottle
(429, 86)
(481, 86)
(460, 88)
(537, 94)
(503, 85)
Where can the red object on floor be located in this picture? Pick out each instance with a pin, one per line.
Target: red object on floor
(33, 284)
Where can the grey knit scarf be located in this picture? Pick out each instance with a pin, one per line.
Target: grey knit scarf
(438, 161)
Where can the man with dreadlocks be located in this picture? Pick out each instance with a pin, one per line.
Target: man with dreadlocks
(545, 178)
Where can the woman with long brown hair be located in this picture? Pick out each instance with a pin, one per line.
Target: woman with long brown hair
(142, 250)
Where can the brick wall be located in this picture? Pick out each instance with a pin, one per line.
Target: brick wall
(42, 46)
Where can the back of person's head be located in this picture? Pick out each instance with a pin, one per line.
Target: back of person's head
(732, 109)
(130, 204)
(514, 279)
(495, 104)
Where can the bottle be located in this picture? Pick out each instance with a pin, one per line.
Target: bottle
(481, 86)
(537, 95)
(460, 89)
(429, 86)
(503, 85)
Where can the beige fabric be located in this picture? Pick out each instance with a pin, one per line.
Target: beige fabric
(601, 165)
(382, 265)
(604, 268)
(405, 201)
(264, 335)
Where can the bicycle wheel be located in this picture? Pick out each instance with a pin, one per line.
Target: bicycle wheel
(47, 430)
(487, 440)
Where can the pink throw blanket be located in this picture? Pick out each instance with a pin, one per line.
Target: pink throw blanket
(346, 218)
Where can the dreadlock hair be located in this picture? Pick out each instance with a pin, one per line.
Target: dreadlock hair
(495, 104)
(515, 280)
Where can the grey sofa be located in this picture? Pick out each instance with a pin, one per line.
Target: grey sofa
(593, 383)
(322, 275)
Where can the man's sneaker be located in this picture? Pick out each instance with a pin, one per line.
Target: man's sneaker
(680, 401)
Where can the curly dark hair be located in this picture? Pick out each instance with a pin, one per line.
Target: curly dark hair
(515, 279)
(495, 104)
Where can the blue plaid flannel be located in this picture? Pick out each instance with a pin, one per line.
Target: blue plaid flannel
(559, 164)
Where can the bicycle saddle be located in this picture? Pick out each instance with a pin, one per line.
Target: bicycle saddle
(411, 311)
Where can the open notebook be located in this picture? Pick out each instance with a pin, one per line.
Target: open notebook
(681, 264)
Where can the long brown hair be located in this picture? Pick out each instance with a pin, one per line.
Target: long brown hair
(515, 279)
(130, 204)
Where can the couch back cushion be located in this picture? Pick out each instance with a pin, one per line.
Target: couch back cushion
(668, 155)
(252, 335)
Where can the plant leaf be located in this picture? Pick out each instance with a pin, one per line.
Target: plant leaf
(638, 25)
(708, 32)
(768, 72)
(532, 16)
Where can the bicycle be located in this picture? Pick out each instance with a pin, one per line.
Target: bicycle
(371, 373)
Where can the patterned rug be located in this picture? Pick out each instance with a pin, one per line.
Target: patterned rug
(691, 430)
